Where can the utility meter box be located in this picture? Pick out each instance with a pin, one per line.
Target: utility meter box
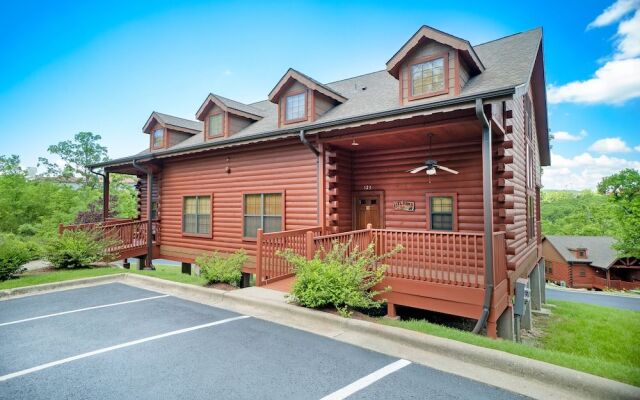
(522, 296)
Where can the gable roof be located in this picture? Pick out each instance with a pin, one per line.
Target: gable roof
(232, 106)
(508, 64)
(177, 123)
(425, 33)
(600, 253)
(309, 82)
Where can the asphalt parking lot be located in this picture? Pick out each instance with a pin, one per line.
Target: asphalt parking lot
(116, 341)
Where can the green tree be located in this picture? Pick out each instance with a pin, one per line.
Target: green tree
(77, 155)
(623, 190)
(577, 213)
(10, 165)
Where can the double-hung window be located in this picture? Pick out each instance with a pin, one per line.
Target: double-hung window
(158, 138)
(262, 211)
(196, 215)
(295, 107)
(428, 78)
(441, 213)
(215, 125)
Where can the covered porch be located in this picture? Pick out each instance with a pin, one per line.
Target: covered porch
(444, 221)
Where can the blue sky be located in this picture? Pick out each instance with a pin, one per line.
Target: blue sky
(105, 66)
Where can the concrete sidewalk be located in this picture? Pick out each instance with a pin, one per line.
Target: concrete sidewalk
(517, 374)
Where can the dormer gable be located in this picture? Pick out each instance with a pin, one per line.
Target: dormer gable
(302, 99)
(433, 63)
(223, 117)
(166, 130)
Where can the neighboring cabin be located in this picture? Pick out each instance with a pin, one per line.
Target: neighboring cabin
(317, 162)
(588, 262)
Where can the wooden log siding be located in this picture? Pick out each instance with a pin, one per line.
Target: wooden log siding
(520, 249)
(385, 170)
(142, 194)
(287, 167)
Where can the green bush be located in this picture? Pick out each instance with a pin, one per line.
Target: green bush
(338, 278)
(14, 253)
(217, 268)
(77, 249)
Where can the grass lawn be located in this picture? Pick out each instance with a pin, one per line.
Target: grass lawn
(167, 272)
(598, 340)
(37, 278)
(171, 273)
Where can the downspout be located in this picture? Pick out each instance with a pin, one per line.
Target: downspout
(487, 200)
(315, 151)
(105, 193)
(147, 262)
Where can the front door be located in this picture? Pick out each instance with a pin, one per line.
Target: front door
(367, 210)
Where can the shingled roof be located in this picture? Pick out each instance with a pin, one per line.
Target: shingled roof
(508, 64)
(171, 121)
(600, 252)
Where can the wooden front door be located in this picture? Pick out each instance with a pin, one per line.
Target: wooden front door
(367, 210)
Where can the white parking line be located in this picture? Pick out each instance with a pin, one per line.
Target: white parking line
(366, 381)
(82, 309)
(116, 347)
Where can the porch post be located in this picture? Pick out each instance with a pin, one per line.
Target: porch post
(259, 258)
(105, 196)
(148, 264)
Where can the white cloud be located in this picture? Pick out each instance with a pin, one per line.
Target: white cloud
(227, 72)
(583, 171)
(613, 13)
(637, 148)
(618, 79)
(613, 83)
(629, 37)
(566, 136)
(610, 145)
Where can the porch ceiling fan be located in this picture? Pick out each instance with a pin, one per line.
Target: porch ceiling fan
(431, 166)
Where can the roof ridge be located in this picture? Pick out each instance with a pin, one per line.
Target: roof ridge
(173, 116)
(538, 28)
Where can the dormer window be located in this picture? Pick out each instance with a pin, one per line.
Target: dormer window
(428, 77)
(295, 107)
(158, 138)
(216, 125)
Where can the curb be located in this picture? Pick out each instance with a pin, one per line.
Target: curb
(63, 285)
(263, 304)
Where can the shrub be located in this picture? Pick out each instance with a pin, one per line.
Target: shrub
(343, 279)
(13, 255)
(27, 230)
(76, 249)
(217, 268)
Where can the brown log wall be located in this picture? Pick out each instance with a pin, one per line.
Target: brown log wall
(385, 170)
(287, 167)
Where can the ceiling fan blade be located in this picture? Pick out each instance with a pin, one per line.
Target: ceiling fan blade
(453, 171)
(416, 170)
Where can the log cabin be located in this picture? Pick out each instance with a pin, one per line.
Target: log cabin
(441, 151)
(588, 262)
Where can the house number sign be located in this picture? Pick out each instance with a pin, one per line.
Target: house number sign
(404, 205)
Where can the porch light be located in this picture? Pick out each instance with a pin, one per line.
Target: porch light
(431, 171)
(354, 143)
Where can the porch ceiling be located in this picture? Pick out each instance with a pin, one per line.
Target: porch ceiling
(412, 133)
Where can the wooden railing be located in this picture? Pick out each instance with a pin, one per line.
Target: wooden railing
(126, 235)
(269, 266)
(454, 258)
(357, 239)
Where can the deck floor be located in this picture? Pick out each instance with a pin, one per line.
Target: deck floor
(283, 285)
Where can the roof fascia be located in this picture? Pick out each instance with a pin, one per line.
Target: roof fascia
(427, 32)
